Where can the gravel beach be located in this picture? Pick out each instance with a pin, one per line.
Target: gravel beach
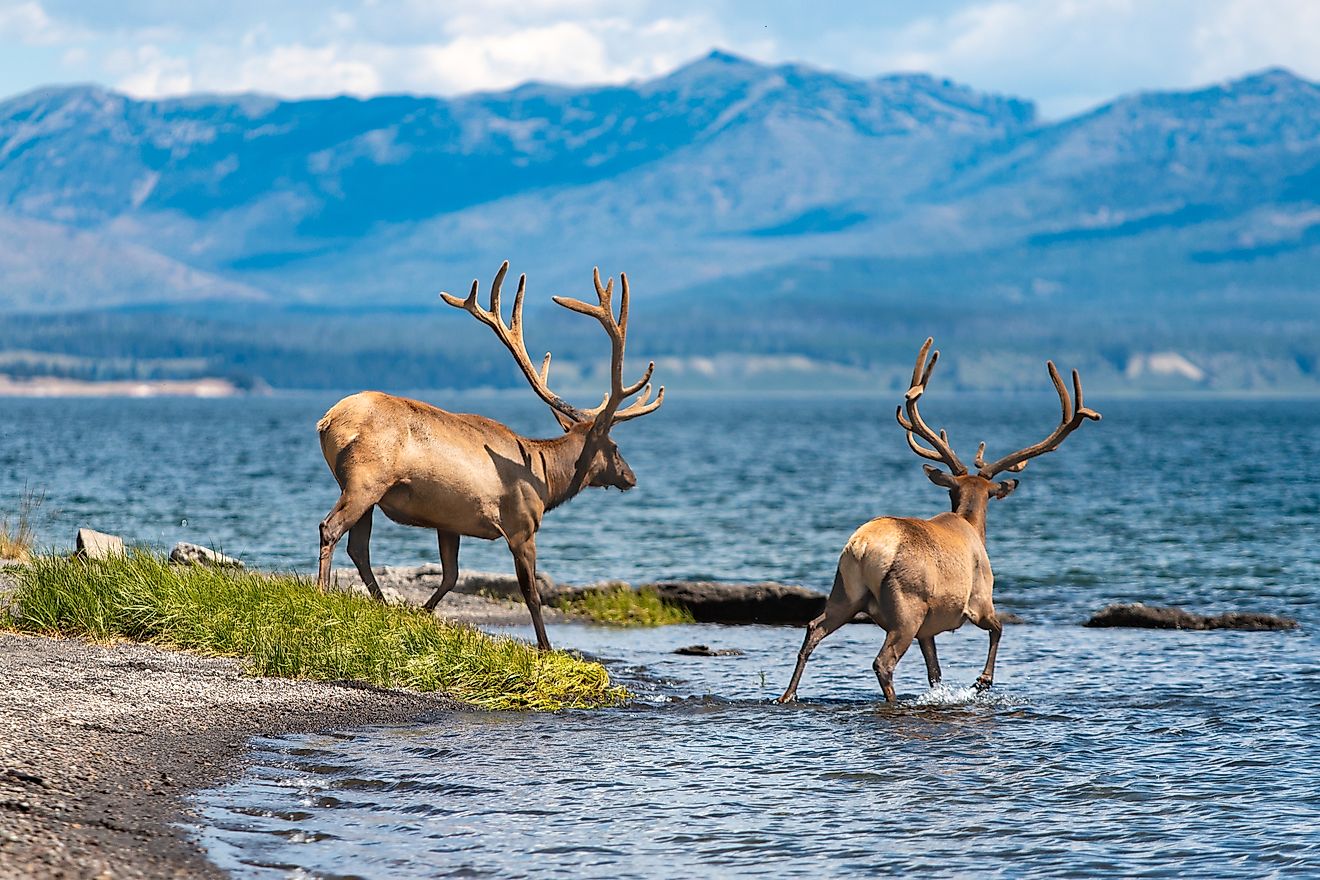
(100, 746)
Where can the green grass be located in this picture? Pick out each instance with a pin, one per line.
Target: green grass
(620, 605)
(281, 626)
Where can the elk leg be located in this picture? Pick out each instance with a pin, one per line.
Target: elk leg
(449, 564)
(833, 617)
(991, 625)
(344, 515)
(932, 660)
(359, 550)
(896, 644)
(524, 561)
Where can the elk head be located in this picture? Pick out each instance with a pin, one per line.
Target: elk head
(599, 463)
(970, 493)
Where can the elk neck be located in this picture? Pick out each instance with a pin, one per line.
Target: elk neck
(972, 507)
(557, 460)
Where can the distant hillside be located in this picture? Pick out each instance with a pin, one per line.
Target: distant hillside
(758, 209)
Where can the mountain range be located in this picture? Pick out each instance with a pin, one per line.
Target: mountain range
(778, 212)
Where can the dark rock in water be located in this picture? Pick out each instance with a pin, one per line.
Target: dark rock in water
(707, 651)
(1156, 617)
(415, 584)
(742, 603)
(1252, 621)
(1008, 618)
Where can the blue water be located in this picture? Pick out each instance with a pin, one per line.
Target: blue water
(1098, 752)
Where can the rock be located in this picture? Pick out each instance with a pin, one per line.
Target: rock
(417, 583)
(1008, 618)
(195, 554)
(92, 544)
(742, 603)
(1136, 614)
(707, 651)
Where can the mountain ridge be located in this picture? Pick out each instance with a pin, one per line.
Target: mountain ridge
(727, 189)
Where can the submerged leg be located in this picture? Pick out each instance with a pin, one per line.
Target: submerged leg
(896, 644)
(449, 564)
(524, 561)
(991, 625)
(838, 611)
(359, 550)
(932, 660)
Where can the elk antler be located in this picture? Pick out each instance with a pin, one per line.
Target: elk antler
(512, 337)
(1069, 421)
(914, 425)
(608, 412)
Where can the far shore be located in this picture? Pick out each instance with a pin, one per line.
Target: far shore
(48, 386)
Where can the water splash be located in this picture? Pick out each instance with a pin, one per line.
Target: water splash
(946, 694)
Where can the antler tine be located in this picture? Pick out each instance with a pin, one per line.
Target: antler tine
(641, 383)
(1064, 400)
(512, 337)
(640, 407)
(915, 426)
(1070, 420)
(515, 322)
(495, 289)
(919, 372)
(617, 330)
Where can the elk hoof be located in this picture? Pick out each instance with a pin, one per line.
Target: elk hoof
(983, 683)
(787, 698)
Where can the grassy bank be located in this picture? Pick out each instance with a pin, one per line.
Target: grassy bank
(623, 606)
(282, 626)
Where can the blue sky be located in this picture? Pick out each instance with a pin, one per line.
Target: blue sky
(1065, 54)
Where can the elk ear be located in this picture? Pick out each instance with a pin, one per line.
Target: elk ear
(1003, 489)
(939, 477)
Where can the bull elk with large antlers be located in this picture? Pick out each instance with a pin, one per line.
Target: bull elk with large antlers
(464, 474)
(918, 578)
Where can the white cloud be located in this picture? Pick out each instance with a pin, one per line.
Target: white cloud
(29, 23)
(151, 73)
(475, 55)
(1065, 53)
(1072, 53)
(1239, 35)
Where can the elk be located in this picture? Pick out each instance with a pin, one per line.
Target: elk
(463, 474)
(918, 578)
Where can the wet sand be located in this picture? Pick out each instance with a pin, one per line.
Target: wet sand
(100, 746)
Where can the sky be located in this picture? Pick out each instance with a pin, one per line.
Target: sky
(1067, 55)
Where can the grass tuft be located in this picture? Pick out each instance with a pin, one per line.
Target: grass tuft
(17, 532)
(620, 605)
(280, 625)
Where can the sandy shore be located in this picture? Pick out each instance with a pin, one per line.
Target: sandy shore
(99, 747)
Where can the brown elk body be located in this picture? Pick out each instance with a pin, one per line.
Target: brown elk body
(917, 578)
(463, 474)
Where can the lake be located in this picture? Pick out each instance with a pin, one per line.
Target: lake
(1097, 753)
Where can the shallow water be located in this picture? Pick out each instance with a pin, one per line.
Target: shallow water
(1098, 752)
(1206, 503)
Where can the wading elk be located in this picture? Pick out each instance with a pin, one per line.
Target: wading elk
(918, 578)
(467, 475)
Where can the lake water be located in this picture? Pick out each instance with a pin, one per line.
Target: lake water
(1098, 752)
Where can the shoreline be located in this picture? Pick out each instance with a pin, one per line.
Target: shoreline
(44, 387)
(102, 745)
